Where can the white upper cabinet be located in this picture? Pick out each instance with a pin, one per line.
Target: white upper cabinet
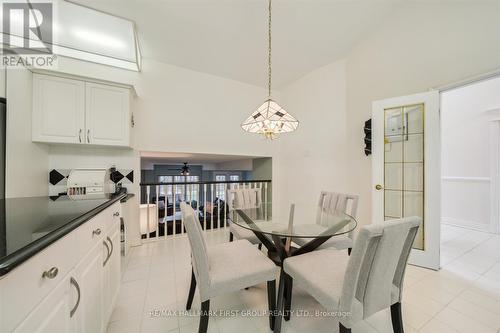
(58, 109)
(67, 110)
(107, 115)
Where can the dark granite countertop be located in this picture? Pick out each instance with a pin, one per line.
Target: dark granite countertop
(127, 197)
(29, 225)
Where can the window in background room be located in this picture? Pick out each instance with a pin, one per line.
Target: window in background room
(220, 189)
(182, 192)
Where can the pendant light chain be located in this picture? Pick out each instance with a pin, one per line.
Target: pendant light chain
(269, 53)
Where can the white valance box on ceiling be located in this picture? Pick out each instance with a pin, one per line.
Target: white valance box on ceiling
(85, 34)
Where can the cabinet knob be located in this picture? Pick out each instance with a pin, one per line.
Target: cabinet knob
(116, 214)
(51, 273)
(378, 187)
(96, 232)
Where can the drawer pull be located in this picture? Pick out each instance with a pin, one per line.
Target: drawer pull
(96, 232)
(112, 247)
(109, 254)
(51, 273)
(74, 283)
(116, 214)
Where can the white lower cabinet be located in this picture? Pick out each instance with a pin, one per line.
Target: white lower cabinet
(52, 314)
(88, 276)
(111, 272)
(82, 299)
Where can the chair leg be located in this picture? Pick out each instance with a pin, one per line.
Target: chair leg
(192, 288)
(349, 250)
(397, 319)
(260, 246)
(271, 300)
(343, 329)
(231, 236)
(204, 316)
(288, 296)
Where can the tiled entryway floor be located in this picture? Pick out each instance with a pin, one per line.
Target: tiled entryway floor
(464, 296)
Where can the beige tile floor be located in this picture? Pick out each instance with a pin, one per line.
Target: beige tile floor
(464, 296)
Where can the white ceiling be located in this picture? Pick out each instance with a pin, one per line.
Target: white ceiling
(228, 38)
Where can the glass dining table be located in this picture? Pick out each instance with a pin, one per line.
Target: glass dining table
(277, 229)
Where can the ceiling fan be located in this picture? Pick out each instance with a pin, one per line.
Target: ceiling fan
(184, 170)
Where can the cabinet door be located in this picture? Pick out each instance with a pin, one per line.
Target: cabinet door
(107, 115)
(112, 271)
(52, 315)
(89, 277)
(58, 109)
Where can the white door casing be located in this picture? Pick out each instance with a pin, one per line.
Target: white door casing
(494, 128)
(429, 255)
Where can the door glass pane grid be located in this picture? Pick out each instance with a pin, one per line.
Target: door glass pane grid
(404, 165)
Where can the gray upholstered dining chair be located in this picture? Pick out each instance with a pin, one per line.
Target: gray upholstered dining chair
(225, 268)
(368, 281)
(328, 203)
(242, 198)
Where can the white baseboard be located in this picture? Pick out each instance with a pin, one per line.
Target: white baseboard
(466, 224)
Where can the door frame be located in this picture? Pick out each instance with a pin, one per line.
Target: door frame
(430, 256)
(493, 116)
(494, 128)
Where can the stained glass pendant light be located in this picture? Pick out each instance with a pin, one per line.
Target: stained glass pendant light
(270, 119)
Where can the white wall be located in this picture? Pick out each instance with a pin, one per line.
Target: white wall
(421, 46)
(27, 163)
(466, 160)
(176, 110)
(314, 157)
(179, 110)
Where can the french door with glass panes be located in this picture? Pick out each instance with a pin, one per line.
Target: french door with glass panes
(407, 170)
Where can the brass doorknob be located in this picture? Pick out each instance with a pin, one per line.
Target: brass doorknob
(378, 187)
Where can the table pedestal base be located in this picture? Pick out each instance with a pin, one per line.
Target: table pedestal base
(274, 256)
